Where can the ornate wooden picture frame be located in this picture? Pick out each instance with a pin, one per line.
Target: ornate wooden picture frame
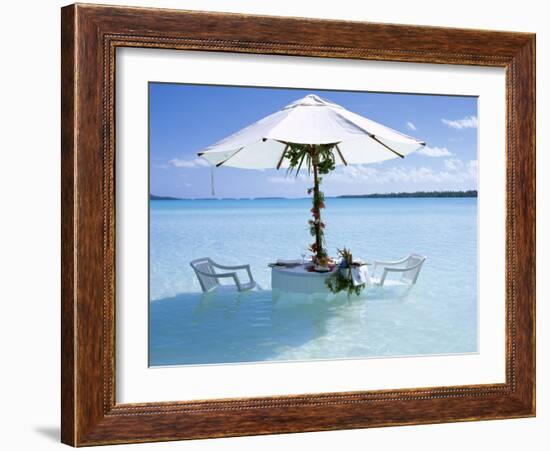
(90, 37)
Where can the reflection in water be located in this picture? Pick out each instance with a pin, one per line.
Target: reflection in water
(230, 327)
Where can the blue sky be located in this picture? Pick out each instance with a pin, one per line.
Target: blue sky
(183, 119)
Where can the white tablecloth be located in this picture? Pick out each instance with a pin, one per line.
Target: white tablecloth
(297, 279)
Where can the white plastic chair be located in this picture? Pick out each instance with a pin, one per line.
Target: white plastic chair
(408, 268)
(209, 279)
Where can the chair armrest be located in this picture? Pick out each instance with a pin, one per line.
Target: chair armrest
(233, 275)
(390, 263)
(390, 269)
(385, 264)
(246, 267)
(216, 275)
(405, 269)
(229, 267)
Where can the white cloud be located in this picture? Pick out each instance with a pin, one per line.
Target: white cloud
(434, 151)
(195, 163)
(456, 166)
(455, 171)
(411, 126)
(281, 180)
(453, 164)
(471, 167)
(289, 180)
(459, 124)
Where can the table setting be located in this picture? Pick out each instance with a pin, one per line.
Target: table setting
(304, 276)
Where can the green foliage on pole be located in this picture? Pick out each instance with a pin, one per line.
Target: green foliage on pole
(319, 160)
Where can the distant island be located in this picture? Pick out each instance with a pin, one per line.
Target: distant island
(470, 193)
(153, 197)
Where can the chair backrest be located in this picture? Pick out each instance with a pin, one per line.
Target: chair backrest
(412, 275)
(204, 265)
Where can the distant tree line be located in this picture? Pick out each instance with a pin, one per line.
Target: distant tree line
(469, 193)
(153, 197)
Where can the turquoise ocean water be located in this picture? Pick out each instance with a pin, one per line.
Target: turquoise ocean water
(437, 316)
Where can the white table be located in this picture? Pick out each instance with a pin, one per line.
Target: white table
(297, 279)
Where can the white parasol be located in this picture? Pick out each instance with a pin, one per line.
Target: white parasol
(310, 120)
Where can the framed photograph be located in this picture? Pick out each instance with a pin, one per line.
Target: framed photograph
(268, 231)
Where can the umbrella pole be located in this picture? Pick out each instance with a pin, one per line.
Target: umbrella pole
(318, 238)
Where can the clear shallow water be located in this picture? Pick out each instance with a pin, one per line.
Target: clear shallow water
(437, 316)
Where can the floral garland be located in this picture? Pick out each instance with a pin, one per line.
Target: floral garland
(319, 160)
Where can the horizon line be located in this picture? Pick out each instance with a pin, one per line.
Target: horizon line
(391, 194)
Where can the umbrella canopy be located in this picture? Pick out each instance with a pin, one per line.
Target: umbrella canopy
(310, 120)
